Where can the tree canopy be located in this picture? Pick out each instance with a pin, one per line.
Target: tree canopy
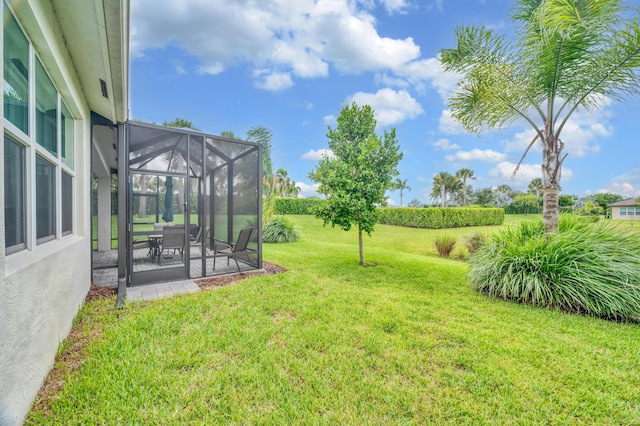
(355, 181)
(566, 55)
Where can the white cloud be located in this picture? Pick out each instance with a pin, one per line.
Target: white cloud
(391, 203)
(212, 68)
(395, 6)
(317, 155)
(329, 120)
(272, 81)
(305, 39)
(486, 156)
(390, 106)
(504, 172)
(428, 70)
(627, 184)
(448, 125)
(445, 145)
(308, 190)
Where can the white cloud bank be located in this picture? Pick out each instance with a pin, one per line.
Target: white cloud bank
(486, 156)
(317, 154)
(298, 39)
(389, 106)
(308, 190)
(445, 145)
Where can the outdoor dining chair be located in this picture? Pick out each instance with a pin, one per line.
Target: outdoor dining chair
(173, 238)
(233, 250)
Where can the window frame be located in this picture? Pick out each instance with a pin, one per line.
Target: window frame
(23, 245)
(33, 150)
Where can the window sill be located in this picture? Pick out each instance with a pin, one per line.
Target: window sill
(25, 258)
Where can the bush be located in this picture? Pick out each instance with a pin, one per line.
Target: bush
(475, 242)
(438, 217)
(280, 230)
(296, 205)
(445, 244)
(589, 268)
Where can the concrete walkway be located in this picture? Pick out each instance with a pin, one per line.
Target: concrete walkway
(158, 291)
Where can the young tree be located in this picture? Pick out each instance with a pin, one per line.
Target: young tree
(463, 175)
(401, 185)
(566, 55)
(355, 181)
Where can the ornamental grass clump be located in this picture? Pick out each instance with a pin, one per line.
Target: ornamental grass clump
(280, 230)
(444, 244)
(587, 268)
(474, 242)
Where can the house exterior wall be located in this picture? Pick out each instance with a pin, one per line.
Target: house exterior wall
(615, 214)
(43, 286)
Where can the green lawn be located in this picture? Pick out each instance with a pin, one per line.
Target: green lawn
(330, 342)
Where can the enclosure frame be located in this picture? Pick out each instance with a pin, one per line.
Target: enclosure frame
(222, 175)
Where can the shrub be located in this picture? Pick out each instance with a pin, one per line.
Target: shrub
(589, 268)
(475, 241)
(438, 218)
(444, 244)
(280, 230)
(296, 205)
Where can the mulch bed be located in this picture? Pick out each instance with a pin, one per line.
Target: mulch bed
(97, 292)
(223, 280)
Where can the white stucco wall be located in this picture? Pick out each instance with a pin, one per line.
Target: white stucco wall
(42, 288)
(38, 307)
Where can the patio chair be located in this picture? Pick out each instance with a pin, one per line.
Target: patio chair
(233, 250)
(173, 238)
(198, 240)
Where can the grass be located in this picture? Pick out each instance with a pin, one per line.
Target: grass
(331, 342)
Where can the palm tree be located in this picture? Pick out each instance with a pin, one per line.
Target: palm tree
(463, 175)
(443, 184)
(401, 185)
(566, 55)
(535, 186)
(506, 192)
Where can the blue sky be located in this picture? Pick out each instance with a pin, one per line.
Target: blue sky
(290, 65)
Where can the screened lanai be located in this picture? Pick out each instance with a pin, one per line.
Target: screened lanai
(189, 196)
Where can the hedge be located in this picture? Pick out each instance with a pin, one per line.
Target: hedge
(438, 218)
(296, 205)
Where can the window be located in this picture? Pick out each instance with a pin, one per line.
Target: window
(67, 134)
(67, 203)
(623, 211)
(46, 111)
(14, 196)
(16, 73)
(45, 200)
(39, 158)
(630, 211)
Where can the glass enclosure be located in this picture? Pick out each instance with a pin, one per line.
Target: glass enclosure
(189, 196)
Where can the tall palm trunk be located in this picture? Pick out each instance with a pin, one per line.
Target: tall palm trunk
(551, 172)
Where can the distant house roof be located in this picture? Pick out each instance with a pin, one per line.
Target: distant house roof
(631, 202)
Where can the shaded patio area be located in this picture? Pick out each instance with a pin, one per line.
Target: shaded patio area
(184, 199)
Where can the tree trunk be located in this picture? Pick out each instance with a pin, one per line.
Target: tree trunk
(551, 171)
(464, 192)
(361, 246)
